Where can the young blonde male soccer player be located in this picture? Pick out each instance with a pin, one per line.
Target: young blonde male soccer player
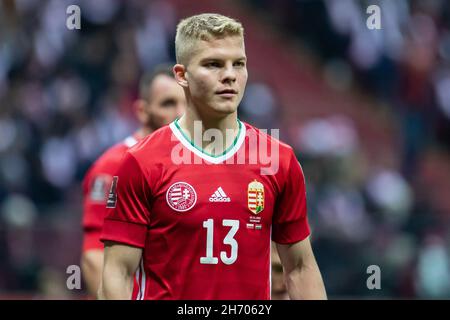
(161, 101)
(202, 229)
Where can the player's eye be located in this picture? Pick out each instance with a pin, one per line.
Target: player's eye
(239, 64)
(168, 103)
(212, 64)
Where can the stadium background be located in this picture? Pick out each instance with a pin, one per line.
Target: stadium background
(367, 112)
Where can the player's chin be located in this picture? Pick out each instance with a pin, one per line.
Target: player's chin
(226, 107)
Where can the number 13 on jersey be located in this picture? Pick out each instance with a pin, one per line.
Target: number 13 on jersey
(228, 240)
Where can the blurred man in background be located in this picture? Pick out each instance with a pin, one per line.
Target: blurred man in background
(161, 101)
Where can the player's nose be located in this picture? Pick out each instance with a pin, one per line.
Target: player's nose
(229, 73)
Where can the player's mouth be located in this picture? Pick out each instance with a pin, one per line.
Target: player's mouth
(227, 93)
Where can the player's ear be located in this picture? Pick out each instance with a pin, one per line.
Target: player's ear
(179, 72)
(140, 108)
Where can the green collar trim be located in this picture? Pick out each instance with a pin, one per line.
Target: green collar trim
(201, 149)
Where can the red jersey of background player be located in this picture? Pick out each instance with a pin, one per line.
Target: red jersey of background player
(96, 185)
(205, 228)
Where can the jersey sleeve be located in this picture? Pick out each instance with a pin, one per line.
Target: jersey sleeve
(128, 214)
(290, 221)
(95, 190)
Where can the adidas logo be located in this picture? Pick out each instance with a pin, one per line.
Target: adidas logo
(219, 196)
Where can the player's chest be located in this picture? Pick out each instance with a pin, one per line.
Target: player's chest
(189, 196)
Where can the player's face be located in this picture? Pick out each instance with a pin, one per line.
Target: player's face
(167, 101)
(217, 75)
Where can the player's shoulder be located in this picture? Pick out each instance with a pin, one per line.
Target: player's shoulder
(279, 152)
(113, 154)
(107, 163)
(110, 159)
(153, 146)
(284, 149)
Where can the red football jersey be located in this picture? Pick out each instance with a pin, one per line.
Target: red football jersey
(96, 185)
(205, 223)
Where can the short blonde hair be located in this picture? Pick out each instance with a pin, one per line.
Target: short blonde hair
(203, 27)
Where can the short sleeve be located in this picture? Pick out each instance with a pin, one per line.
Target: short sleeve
(290, 221)
(128, 202)
(91, 239)
(95, 191)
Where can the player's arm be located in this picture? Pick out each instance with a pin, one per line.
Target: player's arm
(91, 267)
(290, 230)
(95, 189)
(124, 229)
(120, 264)
(302, 274)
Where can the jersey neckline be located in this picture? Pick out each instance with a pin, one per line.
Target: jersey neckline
(189, 144)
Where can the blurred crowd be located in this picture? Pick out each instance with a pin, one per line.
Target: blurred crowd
(365, 213)
(66, 95)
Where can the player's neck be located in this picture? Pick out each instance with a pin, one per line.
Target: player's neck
(191, 121)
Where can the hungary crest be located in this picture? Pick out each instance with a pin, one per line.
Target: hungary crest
(181, 196)
(255, 196)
